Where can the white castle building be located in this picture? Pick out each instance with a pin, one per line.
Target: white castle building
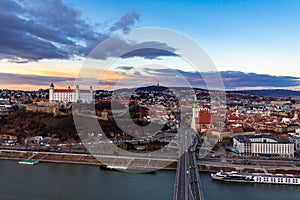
(70, 95)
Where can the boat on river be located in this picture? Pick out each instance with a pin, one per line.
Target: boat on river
(233, 176)
(28, 162)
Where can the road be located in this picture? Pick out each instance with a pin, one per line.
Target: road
(182, 185)
(194, 178)
(187, 182)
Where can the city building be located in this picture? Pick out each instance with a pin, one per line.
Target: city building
(295, 138)
(5, 110)
(263, 145)
(70, 95)
(203, 119)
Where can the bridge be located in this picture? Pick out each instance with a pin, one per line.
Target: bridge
(187, 183)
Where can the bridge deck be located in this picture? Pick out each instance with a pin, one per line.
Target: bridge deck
(187, 183)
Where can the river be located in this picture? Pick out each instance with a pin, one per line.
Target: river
(69, 181)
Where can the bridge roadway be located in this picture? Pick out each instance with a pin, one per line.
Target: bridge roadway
(187, 183)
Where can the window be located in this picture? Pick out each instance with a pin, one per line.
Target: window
(280, 180)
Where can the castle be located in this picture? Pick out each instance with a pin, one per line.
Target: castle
(70, 95)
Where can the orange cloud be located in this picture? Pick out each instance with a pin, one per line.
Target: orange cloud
(27, 87)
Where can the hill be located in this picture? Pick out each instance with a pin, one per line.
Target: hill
(271, 93)
(26, 124)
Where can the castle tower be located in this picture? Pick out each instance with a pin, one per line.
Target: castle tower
(77, 93)
(51, 93)
(91, 95)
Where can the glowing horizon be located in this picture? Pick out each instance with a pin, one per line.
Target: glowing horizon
(247, 37)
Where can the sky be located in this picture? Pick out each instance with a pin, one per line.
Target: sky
(253, 44)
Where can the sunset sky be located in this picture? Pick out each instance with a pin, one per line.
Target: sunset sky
(253, 44)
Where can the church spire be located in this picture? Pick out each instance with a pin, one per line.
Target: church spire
(195, 105)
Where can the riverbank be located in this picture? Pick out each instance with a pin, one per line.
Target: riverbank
(207, 166)
(138, 163)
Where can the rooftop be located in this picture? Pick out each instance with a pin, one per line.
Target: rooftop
(247, 138)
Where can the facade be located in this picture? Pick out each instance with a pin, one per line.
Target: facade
(195, 110)
(295, 138)
(263, 145)
(70, 95)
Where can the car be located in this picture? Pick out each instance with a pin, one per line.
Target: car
(191, 150)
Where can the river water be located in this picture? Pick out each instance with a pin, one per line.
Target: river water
(68, 181)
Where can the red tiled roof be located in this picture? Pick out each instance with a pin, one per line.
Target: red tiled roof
(64, 90)
(233, 117)
(70, 90)
(217, 118)
(284, 136)
(204, 118)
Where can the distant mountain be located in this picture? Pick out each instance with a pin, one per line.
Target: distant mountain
(271, 93)
(266, 92)
(152, 88)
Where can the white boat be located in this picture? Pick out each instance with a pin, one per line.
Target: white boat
(28, 162)
(113, 167)
(269, 178)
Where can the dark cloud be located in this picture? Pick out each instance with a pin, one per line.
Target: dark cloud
(19, 79)
(163, 72)
(109, 83)
(150, 50)
(137, 73)
(51, 29)
(148, 53)
(231, 79)
(30, 32)
(116, 47)
(34, 80)
(126, 22)
(126, 68)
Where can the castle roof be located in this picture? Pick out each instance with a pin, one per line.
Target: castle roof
(71, 90)
(64, 90)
